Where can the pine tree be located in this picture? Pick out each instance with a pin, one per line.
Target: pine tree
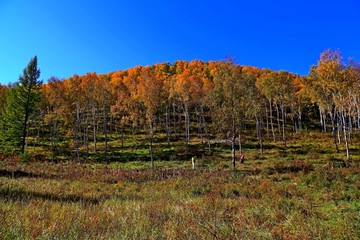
(20, 102)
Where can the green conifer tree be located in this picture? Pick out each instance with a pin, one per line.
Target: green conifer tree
(20, 102)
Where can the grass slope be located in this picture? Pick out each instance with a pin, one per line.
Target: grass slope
(301, 191)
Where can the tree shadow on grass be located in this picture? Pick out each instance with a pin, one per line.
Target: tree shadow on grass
(143, 154)
(120, 157)
(24, 174)
(22, 195)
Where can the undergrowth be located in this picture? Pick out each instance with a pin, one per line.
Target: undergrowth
(287, 193)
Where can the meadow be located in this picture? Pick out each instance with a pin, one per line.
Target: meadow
(302, 191)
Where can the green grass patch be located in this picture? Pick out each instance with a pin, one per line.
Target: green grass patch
(301, 191)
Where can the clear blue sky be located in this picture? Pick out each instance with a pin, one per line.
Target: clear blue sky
(77, 36)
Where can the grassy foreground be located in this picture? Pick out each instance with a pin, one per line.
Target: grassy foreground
(302, 191)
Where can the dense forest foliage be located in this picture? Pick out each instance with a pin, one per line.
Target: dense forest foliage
(194, 101)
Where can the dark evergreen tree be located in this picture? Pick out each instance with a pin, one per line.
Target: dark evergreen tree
(20, 102)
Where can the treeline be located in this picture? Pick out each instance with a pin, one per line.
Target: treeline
(212, 100)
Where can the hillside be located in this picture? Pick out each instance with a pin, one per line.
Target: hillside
(109, 156)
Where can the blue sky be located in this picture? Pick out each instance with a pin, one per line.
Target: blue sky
(75, 37)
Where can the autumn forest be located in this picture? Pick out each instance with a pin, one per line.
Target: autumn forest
(209, 101)
(183, 150)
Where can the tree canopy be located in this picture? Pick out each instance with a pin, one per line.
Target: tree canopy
(208, 101)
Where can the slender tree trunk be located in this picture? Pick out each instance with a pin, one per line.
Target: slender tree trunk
(105, 130)
(332, 115)
(76, 142)
(324, 121)
(206, 127)
(294, 124)
(77, 127)
(95, 125)
(156, 122)
(358, 118)
(52, 135)
(355, 123)
(174, 118)
(299, 118)
(267, 121)
(271, 120)
(258, 130)
(179, 117)
(151, 144)
(87, 131)
(40, 126)
(55, 139)
(321, 120)
(187, 126)
(345, 134)
(233, 153)
(283, 122)
(278, 118)
(116, 125)
(339, 127)
(199, 120)
(167, 125)
(122, 130)
(241, 158)
(240, 143)
(83, 127)
(350, 125)
(111, 125)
